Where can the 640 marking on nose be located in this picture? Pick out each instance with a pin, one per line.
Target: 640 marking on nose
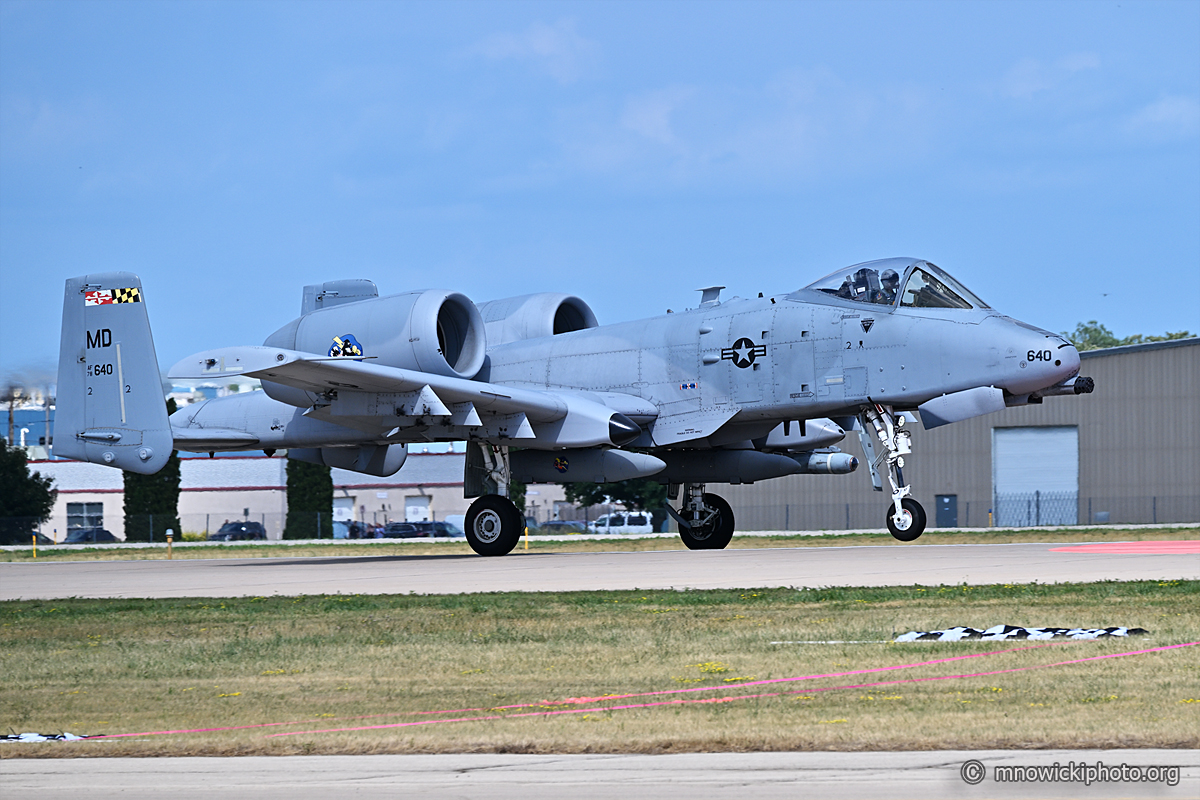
(1039, 355)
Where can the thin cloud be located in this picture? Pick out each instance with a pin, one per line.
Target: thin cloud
(1170, 118)
(1029, 76)
(650, 114)
(556, 50)
(797, 125)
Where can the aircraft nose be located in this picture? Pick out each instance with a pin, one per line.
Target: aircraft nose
(1045, 360)
(1067, 361)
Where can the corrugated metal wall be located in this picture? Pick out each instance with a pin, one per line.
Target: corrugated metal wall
(1139, 453)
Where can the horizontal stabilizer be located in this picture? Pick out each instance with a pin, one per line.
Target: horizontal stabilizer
(197, 440)
(961, 405)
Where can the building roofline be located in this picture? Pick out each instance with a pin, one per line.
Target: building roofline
(1138, 348)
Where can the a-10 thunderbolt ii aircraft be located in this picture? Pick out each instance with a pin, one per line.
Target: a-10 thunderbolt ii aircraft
(733, 391)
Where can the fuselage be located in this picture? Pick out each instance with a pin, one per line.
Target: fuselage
(795, 356)
(718, 375)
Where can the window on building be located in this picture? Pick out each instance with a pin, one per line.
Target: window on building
(85, 515)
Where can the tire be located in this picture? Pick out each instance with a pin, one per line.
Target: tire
(716, 535)
(916, 521)
(494, 525)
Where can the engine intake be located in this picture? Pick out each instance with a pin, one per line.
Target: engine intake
(533, 316)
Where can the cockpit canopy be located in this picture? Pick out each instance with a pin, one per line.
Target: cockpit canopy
(879, 283)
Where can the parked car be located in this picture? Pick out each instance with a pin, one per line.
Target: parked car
(622, 522)
(441, 529)
(559, 527)
(402, 530)
(238, 532)
(90, 536)
(24, 537)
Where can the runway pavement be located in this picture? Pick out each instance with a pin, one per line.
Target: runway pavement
(695, 776)
(535, 572)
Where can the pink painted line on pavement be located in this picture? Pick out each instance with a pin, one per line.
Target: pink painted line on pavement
(740, 697)
(1178, 548)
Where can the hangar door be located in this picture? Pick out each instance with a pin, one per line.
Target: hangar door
(1035, 476)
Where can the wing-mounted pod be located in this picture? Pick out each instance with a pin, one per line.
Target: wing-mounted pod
(433, 331)
(533, 316)
(381, 460)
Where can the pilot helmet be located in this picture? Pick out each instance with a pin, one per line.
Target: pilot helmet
(889, 278)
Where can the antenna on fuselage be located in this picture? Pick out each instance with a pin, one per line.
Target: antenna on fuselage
(710, 296)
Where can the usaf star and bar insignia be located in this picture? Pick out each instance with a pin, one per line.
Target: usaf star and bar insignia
(743, 352)
(106, 297)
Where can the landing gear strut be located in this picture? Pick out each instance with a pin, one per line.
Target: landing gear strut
(494, 525)
(905, 517)
(705, 521)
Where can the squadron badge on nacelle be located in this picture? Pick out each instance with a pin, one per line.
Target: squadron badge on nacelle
(743, 352)
(345, 345)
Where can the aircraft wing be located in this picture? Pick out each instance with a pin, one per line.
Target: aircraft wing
(360, 389)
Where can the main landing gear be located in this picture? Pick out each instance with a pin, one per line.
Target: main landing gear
(705, 521)
(905, 516)
(494, 525)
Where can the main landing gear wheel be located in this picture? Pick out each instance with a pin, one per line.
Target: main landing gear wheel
(716, 533)
(911, 523)
(494, 525)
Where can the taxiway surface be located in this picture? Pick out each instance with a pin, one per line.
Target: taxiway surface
(552, 572)
(695, 776)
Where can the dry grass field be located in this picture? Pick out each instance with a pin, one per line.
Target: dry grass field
(413, 547)
(555, 672)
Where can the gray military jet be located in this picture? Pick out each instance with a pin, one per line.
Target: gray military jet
(733, 391)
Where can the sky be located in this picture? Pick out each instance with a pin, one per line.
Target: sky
(1045, 154)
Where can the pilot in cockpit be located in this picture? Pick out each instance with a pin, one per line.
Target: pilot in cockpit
(890, 281)
(866, 286)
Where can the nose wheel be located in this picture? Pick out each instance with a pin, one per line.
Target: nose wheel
(909, 523)
(905, 517)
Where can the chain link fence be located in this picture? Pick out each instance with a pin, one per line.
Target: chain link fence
(1004, 510)
(1028, 510)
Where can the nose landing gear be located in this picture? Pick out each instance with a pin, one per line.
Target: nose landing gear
(906, 517)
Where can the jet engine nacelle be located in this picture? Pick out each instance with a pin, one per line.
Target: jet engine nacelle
(533, 316)
(435, 331)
